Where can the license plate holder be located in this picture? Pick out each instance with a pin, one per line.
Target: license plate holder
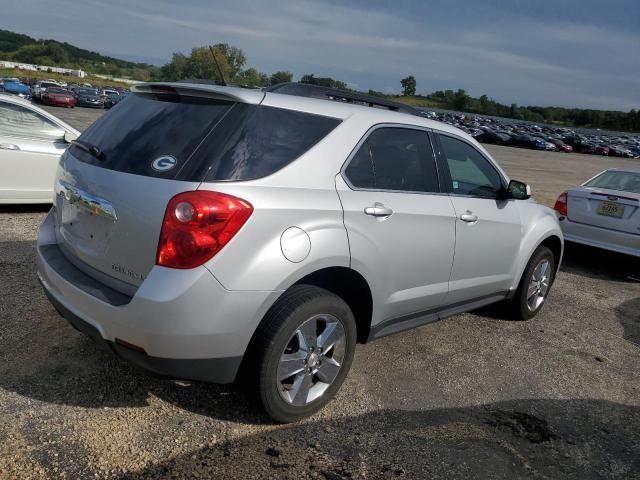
(611, 209)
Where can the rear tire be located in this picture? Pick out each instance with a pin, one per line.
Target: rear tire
(535, 285)
(309, 333)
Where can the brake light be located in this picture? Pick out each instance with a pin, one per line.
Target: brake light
(561, 205)
(197, 225)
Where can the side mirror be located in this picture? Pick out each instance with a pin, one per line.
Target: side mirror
(70, 137)
(518, 190)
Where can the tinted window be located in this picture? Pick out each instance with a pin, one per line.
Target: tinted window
(141, 129)
(394, 159)
(210, 140)
(471, 173)
(18, 121)
(254, 141)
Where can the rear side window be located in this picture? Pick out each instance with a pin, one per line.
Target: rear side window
(140, 130)
(255, 141)
(399, 159)
(196, 139)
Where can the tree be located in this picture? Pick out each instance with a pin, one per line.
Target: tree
(513, 111)
(460, 100)
(375, 93)
(281, 77)
(323, 81)
(200, 64)
(233, 56)
(408, 85)
(484, 103)
(253, 78)
(176, 69)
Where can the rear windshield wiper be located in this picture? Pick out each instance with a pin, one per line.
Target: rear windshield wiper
(92, 150)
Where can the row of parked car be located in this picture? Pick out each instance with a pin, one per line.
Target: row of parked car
(540, 137)
(50, 92)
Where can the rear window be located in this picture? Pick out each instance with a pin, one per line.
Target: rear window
(205, 139)
(620, 181)
(140, 130)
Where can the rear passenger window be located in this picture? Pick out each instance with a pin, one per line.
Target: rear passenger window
(471, 173)
(254, 141)
(399, 159)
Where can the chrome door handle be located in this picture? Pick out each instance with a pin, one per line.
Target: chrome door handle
(9, 146)
(469, 217)
(378, 210)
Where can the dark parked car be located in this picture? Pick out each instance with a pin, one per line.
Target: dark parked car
(88, 97)
(112, 100)
(490, 136)
(527, 141)
(580, 144)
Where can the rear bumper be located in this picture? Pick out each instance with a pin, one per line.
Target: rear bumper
(606, 239)
(179, 323)
(216, 370)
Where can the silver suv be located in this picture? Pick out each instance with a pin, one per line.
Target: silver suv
(202, 231)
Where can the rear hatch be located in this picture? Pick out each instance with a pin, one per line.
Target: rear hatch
(607, 208)
(114, 186)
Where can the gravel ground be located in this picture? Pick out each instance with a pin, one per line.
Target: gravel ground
(471, 396)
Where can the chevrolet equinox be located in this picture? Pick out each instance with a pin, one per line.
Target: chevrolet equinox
(202, 231)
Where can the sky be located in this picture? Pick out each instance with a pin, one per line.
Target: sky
(571, 53)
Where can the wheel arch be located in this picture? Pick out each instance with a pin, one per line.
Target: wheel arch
(352, 287)
(553, 243)
(346, 283)
(542, 228)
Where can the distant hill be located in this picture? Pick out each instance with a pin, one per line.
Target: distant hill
(23, 48)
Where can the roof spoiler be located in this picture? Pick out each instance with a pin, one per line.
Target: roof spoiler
(201, 90)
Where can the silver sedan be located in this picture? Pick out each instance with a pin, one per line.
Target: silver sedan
(31, 142)
(604, 211)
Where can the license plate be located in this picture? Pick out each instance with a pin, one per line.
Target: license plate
(611, 209)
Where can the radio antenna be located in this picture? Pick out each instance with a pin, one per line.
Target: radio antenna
(223, 82)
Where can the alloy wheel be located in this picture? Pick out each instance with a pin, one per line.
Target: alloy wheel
(538, 285)
(311, 360)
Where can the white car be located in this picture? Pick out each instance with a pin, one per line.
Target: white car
(604, 212)
(31, 142)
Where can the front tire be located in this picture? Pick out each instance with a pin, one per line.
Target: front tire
(534, 285)
(302, 352)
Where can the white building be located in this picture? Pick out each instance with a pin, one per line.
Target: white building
(42, 68)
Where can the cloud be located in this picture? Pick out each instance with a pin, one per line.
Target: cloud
(533, 56)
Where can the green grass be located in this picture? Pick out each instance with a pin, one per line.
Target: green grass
(419, 101)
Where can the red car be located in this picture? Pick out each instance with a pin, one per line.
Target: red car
(561, 146)
(58, 96)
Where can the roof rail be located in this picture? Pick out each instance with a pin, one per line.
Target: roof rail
(326, 93)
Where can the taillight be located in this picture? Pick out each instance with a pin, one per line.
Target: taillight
(561, 205)
(197, 225)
